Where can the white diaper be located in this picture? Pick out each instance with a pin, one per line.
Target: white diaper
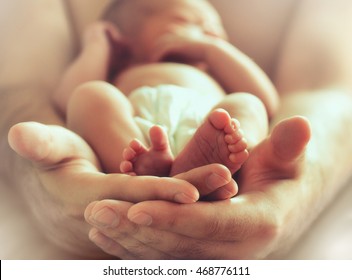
(178, 110)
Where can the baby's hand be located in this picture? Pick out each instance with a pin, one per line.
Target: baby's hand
(181, 44)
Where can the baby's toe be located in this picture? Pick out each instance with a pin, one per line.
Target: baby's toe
(126, 166)
(240, 157)
(239, 146)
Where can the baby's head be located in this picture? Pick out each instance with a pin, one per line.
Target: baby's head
(132, 16)
(144, 22)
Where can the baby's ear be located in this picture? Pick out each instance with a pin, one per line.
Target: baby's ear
(112, 30)
(120, 55)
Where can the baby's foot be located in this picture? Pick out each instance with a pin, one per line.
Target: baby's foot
(217, 140)
(156, 161)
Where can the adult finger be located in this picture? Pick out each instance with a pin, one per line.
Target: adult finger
(183, 188)
(152, 244)
(238, 219)
(107, 245)
(48, 145)
(117, 236)
(213, 181)
(54, 148)
(113, 232)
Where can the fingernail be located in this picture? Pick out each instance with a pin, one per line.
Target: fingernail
(184, 198)
(224, 193)
(215, 181)
(98, 238)
(105, 217)
(142, 219)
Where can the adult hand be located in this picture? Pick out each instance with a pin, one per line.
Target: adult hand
(69, 169)
(70, 178)
(251, 225)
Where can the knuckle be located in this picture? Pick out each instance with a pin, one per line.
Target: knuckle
(137, 250)
(154, 239)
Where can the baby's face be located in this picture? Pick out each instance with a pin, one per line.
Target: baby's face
(196, 17)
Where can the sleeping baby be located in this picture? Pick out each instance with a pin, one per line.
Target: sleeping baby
(158, 90)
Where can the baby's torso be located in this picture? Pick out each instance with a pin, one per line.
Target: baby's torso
(169, 74)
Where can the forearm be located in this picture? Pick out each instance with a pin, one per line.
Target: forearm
(238, 73)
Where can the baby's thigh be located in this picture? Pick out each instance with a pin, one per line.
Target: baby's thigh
(250, 111)
(94, 104)
(97, 96)
(244, 104)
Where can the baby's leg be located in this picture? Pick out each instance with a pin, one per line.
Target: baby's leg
(251, 113)
(156, 160)
(217, 140)
(103, 116)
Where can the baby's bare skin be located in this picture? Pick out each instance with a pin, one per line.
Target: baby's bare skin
(206, 63)
(218, 140)
(137, 158)
(158, 73)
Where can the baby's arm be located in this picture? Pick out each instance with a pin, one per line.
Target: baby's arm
(93, 63)
(235, 71)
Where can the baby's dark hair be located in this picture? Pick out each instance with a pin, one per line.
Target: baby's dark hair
(128, 15)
